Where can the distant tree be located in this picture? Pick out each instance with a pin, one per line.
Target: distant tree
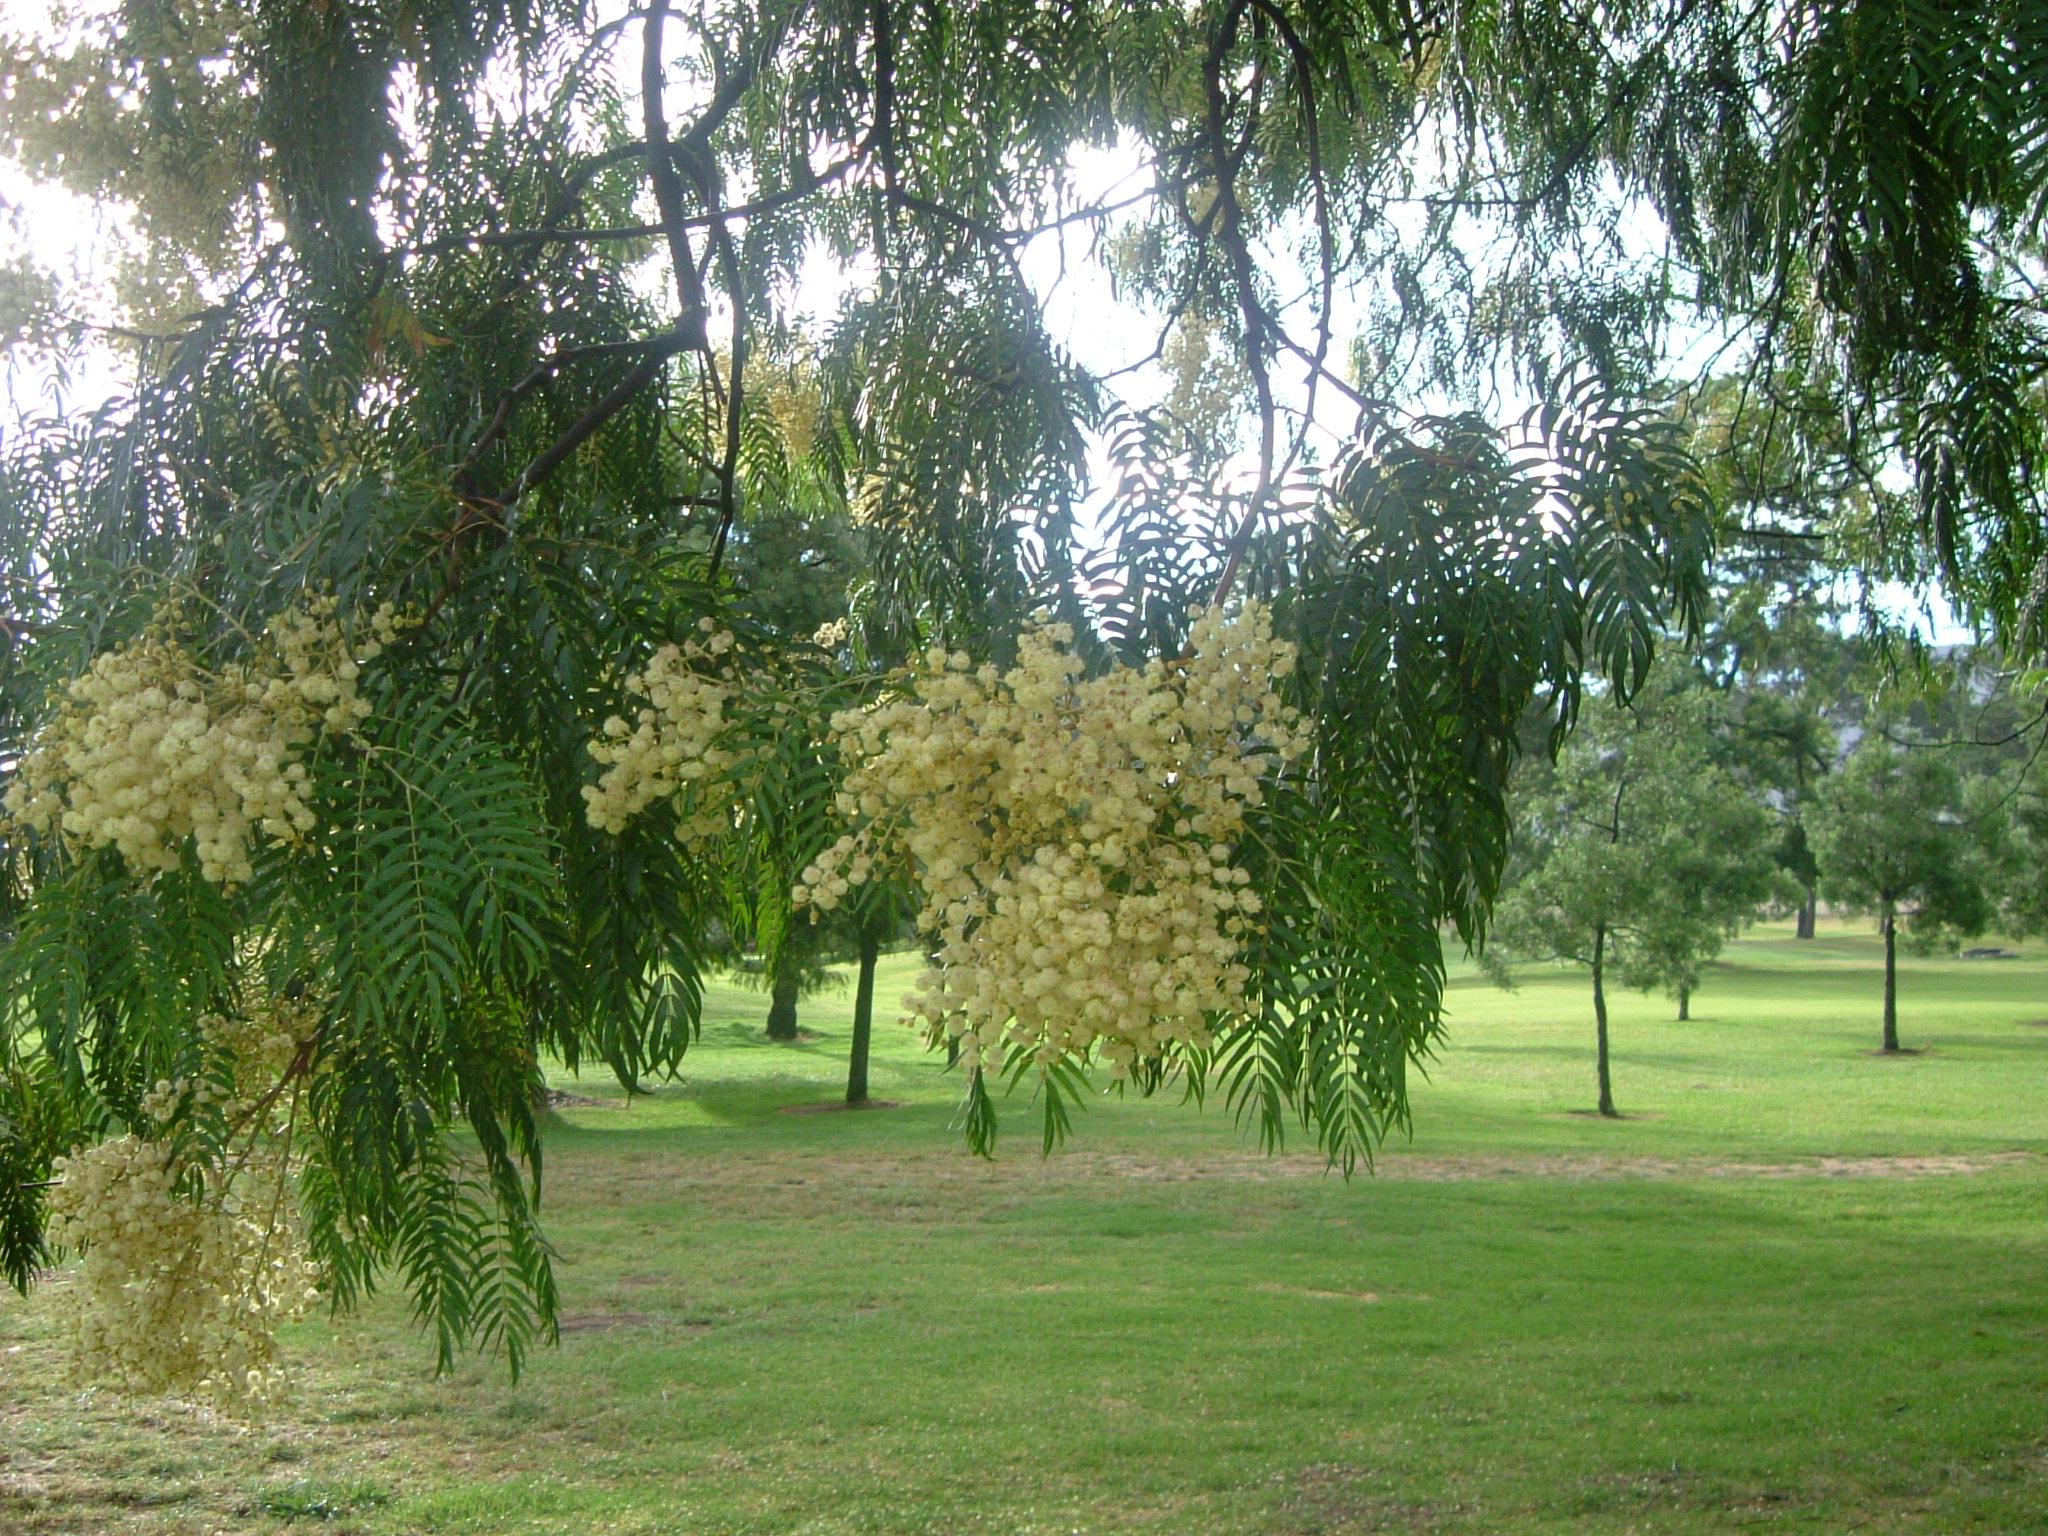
(794, 810)
(1893, 838)
(793, 968)
(1639, 855)
(1780, 644)
(1796, 691)
(2023, 886)
(1712, 879)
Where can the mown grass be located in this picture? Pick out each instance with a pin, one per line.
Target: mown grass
(1802, 1287)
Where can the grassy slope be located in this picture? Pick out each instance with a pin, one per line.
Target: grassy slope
(1532, 1321)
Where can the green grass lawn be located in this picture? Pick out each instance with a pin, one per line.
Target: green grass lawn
(1801, 1287)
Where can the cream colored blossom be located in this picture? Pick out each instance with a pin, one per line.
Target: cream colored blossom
(189, 1262)
(669, 750)
(149, 749)
(1073, 838)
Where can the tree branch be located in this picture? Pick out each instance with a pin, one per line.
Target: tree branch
(661, 166)
(644, 373)
(735, 395)
(1326, 239)
(546, 369)
(1229, 228)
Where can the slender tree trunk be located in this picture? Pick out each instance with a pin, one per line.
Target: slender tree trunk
(1600, 1020)
(782, 1001)
(1809, 909)
(1684, 1004)
(1891, 978)
(863, 1018)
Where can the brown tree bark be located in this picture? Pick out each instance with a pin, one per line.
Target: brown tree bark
(1891, 978)
(1600, 1021)
(863, 1019)
(782, 1001)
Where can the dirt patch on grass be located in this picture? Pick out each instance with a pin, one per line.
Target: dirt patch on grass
(1902, 1167)
(1566, 1165)
(561, 1098)
(604, 1322)
(1364, 1297)
(1571, 1166)
(895, 1189)
(1339, 1496)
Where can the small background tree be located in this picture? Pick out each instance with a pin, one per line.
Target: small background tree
(1778, 646)
(1638, 855)
(1893, 838)
(2023, 882)
(1713, 877)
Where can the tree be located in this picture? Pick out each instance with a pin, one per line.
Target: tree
(1894, 837)
(1709, 888)
(876, 919)
(455, 464)
(1637, 856)
(1778, 645)
(2021, 872)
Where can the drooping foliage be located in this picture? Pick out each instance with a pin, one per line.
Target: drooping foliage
(524, 364)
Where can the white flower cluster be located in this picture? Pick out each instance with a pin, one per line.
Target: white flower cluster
(670, 751)
(1074, 839)
(149, 748)
(190, 1264)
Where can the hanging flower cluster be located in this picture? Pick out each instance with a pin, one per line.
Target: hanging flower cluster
(1074, 840)
(670, 751)
(149, 748)
(193, 1259)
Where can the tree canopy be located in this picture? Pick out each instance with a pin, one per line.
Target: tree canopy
(1638, 856)
(1896, 838)
(503, 357)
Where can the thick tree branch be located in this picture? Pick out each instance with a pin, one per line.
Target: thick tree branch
(645, 372)
(552, 364)
(1230, 235)
(1326, 240)
(769, 202)
(735, 395)
(661, 165)
(883, 135)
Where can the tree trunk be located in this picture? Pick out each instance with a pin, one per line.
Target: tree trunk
(1600, 1020)
(782, 1001)
(863, 1018)
(1891, 978)
(1809, 909)
(1684, 1004)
